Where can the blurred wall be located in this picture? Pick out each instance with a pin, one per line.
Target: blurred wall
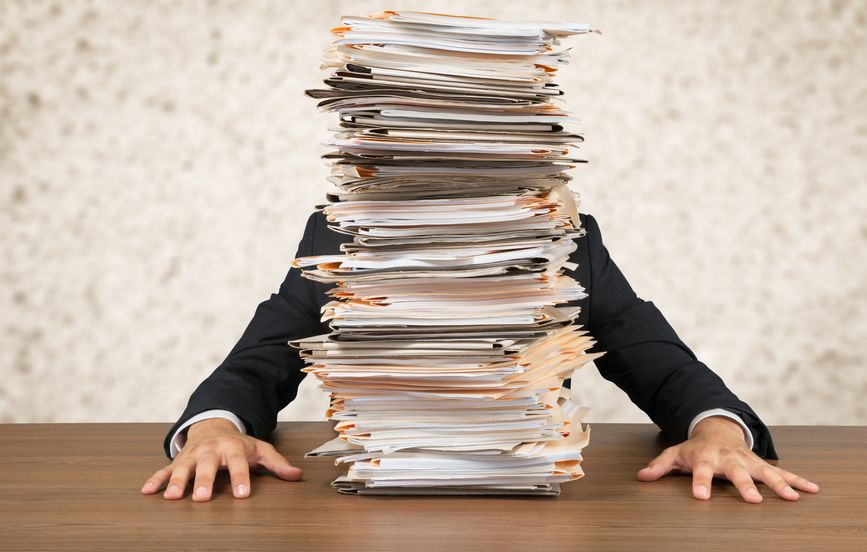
(158, 161)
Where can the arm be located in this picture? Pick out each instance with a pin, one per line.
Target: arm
(236, 406)
(646, 359)
(261, 374)
(681, 394)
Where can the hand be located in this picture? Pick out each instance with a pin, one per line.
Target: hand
(717, 448)
(213, 444)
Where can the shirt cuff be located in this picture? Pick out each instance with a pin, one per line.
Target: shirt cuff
(180, 436)
(748, 435)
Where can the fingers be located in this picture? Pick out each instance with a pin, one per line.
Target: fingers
(774, 480)
(277, 463)
(660, 465)
(702, 476)
(798, 482)
(738, 474)
(157, 480)
(180, 477)
(206, 471)
(206, 458)
(709, 458)
(239, 474)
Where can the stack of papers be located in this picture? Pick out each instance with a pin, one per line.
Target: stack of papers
(450, 336)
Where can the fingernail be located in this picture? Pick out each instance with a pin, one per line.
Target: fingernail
(201, 492)
(172, 490)
(701, 491)
(241, 490)
(147, 486)
(754, 493)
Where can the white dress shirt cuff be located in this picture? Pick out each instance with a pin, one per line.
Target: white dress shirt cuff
(748, 435)
(180, 436)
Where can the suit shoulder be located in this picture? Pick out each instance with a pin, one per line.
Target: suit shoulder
(324, 240)
(316, 220)
(319, 217)
(588, 222)
(316, 223)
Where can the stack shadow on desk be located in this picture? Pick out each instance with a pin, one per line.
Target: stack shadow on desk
(448, 350)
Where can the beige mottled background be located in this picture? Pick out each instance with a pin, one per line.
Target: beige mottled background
(158, 160)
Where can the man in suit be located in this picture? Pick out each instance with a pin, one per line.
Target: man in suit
(716, 434)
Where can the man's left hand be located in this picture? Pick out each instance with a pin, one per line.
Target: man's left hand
(717, 448)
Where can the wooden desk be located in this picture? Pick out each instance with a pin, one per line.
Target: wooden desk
(76, 487)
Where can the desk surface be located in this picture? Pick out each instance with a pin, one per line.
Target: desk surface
(76, 487)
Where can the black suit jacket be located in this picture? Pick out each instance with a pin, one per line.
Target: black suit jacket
(644, 356)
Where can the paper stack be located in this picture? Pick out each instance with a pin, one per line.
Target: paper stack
(448, 349)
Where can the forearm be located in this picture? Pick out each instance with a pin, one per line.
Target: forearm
(665, 383)
(645, 357)
(261, 374)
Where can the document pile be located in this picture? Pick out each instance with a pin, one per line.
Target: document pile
(448, 349)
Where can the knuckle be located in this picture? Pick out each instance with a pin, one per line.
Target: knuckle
(206, 470)
(771, 475)
(186, 451)
(178, 466)
(703, 459)
(702, 474)
(234, 445)
(793, 477)
(744, 479)
(239, 469)
(780, 486)
(733, 464)
(735, 472)
(207, 456)
(204, 479)
(701, 449)
(725, 452)
(757, 464)
(267, 449)
(239, 477)
(239, 466)
(746, 453)
(770, 471)
(249, 445)
(265, 445)
(236, 457)
(743, 485)
(178, 480)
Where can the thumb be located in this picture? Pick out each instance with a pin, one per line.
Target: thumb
(277, 464)
(659, 466)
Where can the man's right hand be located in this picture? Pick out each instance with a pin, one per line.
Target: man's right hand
(211, 445)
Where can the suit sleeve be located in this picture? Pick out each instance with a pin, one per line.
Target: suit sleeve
(646, 359)
(261, 374)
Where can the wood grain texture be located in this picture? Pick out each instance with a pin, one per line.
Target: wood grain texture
(76, 487)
